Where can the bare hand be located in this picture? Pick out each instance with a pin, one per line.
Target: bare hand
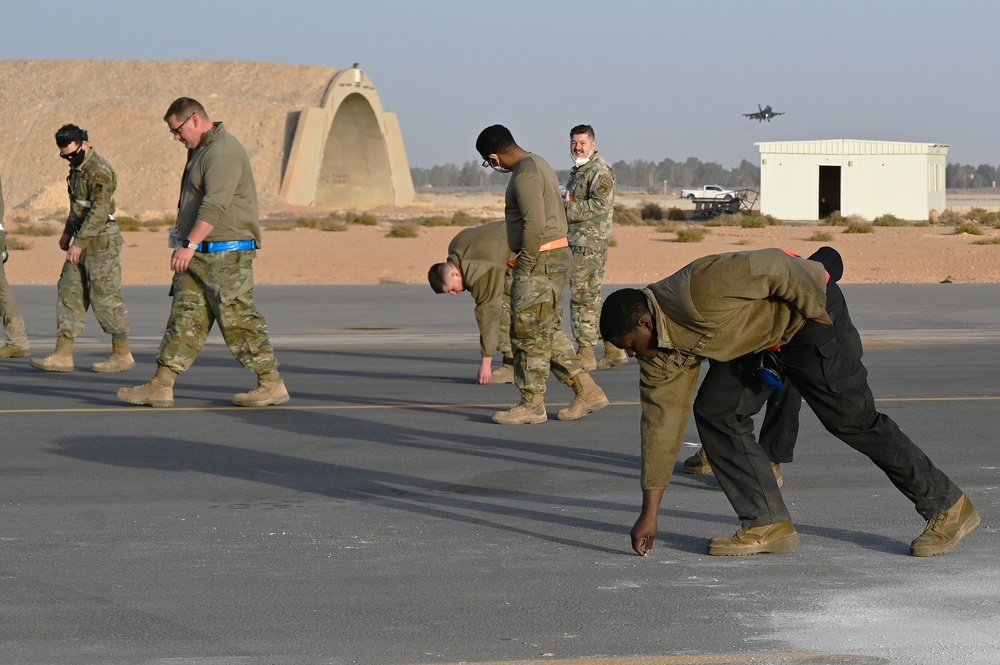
(485, 372)
(181, 258)
(73, 254)
(644, 533)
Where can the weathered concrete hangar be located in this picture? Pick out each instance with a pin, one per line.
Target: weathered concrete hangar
(806, 180)
(347, 151)
(315, 135)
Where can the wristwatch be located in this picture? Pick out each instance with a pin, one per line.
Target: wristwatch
(187, 244)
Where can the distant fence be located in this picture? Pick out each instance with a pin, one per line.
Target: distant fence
(959, 191)
(621, 189)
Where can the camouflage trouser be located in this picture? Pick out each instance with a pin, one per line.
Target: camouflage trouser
(536, 317)
(503, 343)
(585, 294)
(13, 323)
(96, 281)
(216, 288)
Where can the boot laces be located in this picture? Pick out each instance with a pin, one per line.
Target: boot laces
(937, 521)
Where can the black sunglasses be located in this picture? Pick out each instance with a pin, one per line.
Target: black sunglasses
(69, 155)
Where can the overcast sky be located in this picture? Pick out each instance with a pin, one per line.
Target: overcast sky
(655, 78)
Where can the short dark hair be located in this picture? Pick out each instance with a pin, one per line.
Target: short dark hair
(583, 129)
(436, 276)
(183, 107)
(621, 313)
(494, 140)
(68, 134)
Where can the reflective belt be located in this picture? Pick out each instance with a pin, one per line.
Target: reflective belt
(546, 247)
(555, 244)
(226, 246)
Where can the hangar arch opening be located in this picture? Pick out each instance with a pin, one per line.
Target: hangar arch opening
(355, 168)
(347, 152)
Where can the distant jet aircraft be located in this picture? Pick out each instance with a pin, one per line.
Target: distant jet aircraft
(763, 114)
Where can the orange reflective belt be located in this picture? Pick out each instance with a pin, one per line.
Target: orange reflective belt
(555, 244)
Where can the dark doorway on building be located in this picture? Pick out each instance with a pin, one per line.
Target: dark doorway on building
(829, 190)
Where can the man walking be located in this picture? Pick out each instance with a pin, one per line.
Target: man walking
(92, 272)
(217, 233)
(13, 324)
(536, 233)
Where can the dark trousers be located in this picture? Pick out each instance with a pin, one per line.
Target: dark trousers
(824, 364)
(780, 427)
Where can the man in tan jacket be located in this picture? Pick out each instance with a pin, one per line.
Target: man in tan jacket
(728, 309)
(478, 262)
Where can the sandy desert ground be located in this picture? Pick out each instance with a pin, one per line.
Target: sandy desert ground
(128, 129)
(363, 255)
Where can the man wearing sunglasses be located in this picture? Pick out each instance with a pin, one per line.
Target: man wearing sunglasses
(214, 243)
(92, 272)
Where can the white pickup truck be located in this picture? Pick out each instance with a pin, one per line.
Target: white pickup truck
(709, 192)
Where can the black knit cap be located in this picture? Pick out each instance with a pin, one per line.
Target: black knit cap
(70, 134)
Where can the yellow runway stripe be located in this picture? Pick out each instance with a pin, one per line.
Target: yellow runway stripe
(362, 407)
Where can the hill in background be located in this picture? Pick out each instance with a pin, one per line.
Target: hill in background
(121, 104)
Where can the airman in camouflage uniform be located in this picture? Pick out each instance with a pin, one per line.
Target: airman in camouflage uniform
(536, 231)
(478, 262)
(217, 233)
(13, 324)
(92, 273)
(590, 203)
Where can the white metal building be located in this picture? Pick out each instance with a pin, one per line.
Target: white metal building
(810, 179)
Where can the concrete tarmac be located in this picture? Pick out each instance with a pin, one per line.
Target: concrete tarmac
(381, 518)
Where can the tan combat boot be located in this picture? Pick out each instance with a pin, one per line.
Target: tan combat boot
(270, 391)
(10, 351)
(158, 393)
(530, 411)
(769, 538)
(945, 531)
(61, 359)
(120, 360)
(589, 398)
(503, 375)
(698, 464)
(613, 357)
(586, 354)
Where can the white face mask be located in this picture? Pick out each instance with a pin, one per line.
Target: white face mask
(496, 167)
(580, 161)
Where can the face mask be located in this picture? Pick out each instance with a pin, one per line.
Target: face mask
(580, 161)
(496, 167)
(75, 158)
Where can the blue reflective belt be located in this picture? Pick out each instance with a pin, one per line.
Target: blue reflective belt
(226, 246)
